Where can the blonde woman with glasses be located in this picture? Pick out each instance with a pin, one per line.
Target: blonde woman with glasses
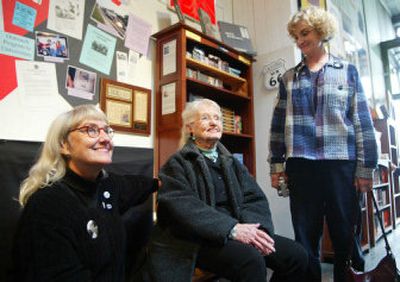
(71, 227)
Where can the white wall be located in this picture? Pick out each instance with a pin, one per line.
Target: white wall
(266, 21)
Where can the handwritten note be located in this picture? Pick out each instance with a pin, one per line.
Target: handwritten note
(24, 16)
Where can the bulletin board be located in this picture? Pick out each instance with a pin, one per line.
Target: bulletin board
(74, 65)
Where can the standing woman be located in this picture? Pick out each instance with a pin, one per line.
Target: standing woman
(322, 141)
(71, 227)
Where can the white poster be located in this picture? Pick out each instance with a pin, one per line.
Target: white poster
(168, 105)
(37, 82)
(122, 66)
(169, 57)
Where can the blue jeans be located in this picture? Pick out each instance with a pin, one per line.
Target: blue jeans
(321, 189)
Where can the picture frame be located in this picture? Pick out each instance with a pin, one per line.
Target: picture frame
(179, 12)
(127, 107)
(189, 8)
(206, 25)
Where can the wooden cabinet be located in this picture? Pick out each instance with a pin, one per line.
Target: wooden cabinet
(190, 64)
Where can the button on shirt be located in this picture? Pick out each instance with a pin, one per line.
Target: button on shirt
(334, 124)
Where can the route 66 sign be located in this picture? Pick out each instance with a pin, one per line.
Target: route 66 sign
(272, 73)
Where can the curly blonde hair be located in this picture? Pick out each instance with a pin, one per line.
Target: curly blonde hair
(324, 23)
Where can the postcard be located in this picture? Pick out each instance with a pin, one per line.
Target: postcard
(66, 16)
(24, 16)
(109, 20)
(98, 49)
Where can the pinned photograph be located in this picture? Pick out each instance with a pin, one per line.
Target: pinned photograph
(51, 45)
(110, 21)
(80, 83)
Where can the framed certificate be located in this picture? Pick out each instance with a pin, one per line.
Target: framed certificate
(128, 107)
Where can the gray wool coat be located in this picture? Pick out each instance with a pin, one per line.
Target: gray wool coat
(187, 217)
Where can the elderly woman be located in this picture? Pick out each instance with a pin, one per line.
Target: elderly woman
(213, 215)
(322, 141)
(71, 227)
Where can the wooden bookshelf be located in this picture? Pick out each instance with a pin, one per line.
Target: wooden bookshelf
(203, 67)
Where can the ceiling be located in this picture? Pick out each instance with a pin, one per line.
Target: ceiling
(393, 7)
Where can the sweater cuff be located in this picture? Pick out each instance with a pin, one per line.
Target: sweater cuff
(277, 167)
(364, 172)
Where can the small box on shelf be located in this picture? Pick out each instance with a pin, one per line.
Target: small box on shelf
(239, 157)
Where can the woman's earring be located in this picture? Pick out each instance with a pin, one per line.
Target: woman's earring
(192, 137)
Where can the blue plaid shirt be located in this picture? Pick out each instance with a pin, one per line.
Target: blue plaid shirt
(333, 123)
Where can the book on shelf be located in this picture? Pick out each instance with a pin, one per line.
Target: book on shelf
(239, 157)
(236, 36)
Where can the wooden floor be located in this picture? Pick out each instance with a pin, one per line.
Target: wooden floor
(373, 256)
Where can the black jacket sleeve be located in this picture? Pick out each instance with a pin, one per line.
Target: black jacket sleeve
(179, 203)
(134, 190)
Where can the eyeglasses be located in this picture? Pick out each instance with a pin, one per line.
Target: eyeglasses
(93, 131)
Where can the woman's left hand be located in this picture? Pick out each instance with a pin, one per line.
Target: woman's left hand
(363, 184)
(250, 234)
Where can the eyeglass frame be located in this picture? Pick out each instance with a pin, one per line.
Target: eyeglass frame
(85, 129)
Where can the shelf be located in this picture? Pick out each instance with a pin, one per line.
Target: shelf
(384, 162)
(244, 136)
(381, 185)
(215, 91)
(216, 72)
(383, 208)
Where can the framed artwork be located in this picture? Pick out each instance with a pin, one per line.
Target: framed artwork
(190, 8)
(127, 107)
(206, 25)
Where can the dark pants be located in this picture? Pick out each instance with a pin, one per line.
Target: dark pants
(240, 262)
(318, 189)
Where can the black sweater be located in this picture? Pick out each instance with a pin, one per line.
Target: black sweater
(72, 230)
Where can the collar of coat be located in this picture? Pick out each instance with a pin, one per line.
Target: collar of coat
(333, 61)
(191, 150)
